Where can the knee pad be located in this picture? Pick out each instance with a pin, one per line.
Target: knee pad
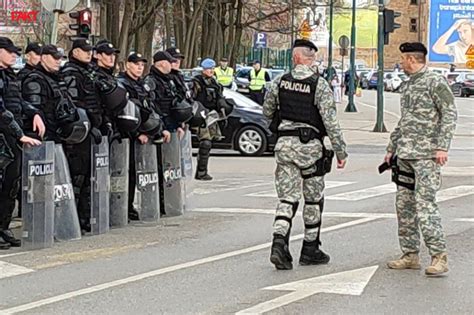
(205, 144)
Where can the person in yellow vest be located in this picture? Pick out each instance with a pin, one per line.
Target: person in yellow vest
(224, 74)
(257, 79)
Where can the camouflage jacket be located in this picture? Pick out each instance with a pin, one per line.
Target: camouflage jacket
(323, 100)
(428, 118)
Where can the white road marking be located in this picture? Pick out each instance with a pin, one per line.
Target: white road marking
(158, 272)
(455, 192)
(10, 270)
(299, 213)
(457, 171)
(13, 254)
(375, 107)
(464, 220)
(352, 282)
(205, 191)
(365, 193)
(272, 193)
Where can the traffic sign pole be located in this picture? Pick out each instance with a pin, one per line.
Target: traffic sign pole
(379, 125)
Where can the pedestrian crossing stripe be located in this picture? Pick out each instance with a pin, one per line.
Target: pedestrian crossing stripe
(272, 194)
(455, 192)
(10, 270)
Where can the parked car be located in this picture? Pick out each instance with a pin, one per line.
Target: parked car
(394, 80)
(461, 83)
(246, 129)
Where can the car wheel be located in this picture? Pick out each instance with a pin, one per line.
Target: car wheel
(458, 92)
(251, 141)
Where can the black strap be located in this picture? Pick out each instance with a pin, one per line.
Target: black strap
(313, 226)
(283, 218)
(288, 133)
(311, 203)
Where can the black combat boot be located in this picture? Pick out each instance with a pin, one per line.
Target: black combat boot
(4, 244)
(8, 237)
(312, 255)
(203, 160)
(280, 255)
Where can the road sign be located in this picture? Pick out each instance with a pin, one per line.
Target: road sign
(350, 282)
(470, 57)
(59, 5)
(260, 40)
(305, 30)
(344, 42)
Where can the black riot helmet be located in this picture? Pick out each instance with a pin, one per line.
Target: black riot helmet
(113, 96)
(76, 131)
(152, 126)
(129, 119)
(199, 115)
(182, 112)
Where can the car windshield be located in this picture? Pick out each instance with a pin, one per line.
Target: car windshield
(240, 100)
(242, 73)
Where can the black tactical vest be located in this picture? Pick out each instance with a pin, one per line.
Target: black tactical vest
(11, 94)
(86, 92)
(209, 92)
(165, 90)
(296, 99)
(137, 91)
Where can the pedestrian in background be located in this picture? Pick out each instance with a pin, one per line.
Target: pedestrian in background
(336, 88)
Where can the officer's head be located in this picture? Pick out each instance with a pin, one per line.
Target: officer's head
(106, 54)
(33, 53)
(224, 63)
(51, 58)
(176, 54)
(81, 50)
(208, 66)
(135, 65)
(162, 61)
(304, 52)
(8, 52)
(413, 57)
(257, 65)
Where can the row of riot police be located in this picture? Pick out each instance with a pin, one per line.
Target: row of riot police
(108, 135)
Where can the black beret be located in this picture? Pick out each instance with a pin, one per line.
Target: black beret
(414, 47)
(34, 47)
(135, 57)
(305, 43)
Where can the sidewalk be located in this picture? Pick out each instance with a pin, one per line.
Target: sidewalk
(358, 127)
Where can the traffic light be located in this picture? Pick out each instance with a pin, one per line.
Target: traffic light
(83, 22)
(389, 23)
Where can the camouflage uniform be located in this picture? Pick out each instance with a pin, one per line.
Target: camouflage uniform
(292, 156)
(427, 125)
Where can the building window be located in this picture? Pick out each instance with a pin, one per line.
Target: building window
(414, 25)
(414, 2)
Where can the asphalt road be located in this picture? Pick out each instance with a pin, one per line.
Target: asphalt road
(215, 259)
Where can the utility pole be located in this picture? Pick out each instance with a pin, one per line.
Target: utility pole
(331, 16)
(350, 106)
(379, 125)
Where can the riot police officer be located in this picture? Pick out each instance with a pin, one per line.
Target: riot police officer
(176, 75)
(303, 112)
(12, 108)
(151, 124)
(33, 56)
(81, 80)
(208, 92)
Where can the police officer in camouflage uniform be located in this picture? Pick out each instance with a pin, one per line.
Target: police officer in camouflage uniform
(12, 136)
(421, 141)
(301, 107)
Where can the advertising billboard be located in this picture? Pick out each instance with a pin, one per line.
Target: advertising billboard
(451, 30)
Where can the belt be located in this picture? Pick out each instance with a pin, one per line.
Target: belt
(297, 133)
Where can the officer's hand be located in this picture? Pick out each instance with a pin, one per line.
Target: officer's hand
(441, 157)
(180, 133)
(388, 157)
(96, 135)
(143, 139)
(166, 136)
(38, 125)
(341, 163)
(29, 141)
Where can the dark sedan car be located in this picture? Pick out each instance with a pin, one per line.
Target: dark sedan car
(462, 84)
(246, 129)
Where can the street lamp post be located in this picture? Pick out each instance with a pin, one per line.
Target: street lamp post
(350, 106)
(331, 16)
(379, 125)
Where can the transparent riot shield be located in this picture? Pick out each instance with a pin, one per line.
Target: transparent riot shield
(66, 220)
(187, 170)
(38, 196)
(147, 191)
(100, 190)
(173, 198)
(119, 166)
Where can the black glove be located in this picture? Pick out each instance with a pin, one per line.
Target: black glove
(96, 135)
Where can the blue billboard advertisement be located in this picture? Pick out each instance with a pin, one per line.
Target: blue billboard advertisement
(451, 30)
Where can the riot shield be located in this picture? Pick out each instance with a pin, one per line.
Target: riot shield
(187, 170)
(38, 196)
(119, 165)
(173, 198)
(66, 221)
(100, 190)
(147, 191)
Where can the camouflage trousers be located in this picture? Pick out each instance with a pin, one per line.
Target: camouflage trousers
(207, 133)
(294, 160)
(417, 209)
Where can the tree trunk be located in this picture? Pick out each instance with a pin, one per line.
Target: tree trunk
(124, 31)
